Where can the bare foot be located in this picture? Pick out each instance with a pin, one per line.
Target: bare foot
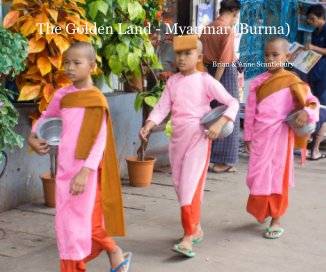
(185, 246)
(186, 242)
(274, 230)
(315, 154)
(199, 235)
(116, 258)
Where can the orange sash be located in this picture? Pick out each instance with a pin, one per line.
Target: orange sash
(96, 105)
(299, 91)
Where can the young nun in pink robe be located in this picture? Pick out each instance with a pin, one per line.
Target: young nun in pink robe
(187, 97)
(80, 232)
(273, 95)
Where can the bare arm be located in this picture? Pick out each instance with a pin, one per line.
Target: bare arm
(219, 72)
(317, 49)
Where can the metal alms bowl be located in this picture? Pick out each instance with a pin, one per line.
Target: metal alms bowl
(50, 130)
(211, 117)
(226, 130)
(306, 130)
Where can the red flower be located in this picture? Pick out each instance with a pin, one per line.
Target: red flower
(146, 23)
(143, 1)
(158, 14)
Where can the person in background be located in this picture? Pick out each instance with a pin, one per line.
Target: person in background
(317, 75)
(219, 58)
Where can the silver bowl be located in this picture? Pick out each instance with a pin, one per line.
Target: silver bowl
(210, 118)
(50, 130)
(306, 130)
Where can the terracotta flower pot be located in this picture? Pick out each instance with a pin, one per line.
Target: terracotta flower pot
(140, 172)
(49, 189)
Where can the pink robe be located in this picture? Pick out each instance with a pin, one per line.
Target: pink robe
(73, 219)
(188, 99)
(268, 133)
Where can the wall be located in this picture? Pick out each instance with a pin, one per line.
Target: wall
(4, 9)
(21, 184)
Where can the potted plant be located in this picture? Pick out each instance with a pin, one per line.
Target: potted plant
(140, 167)
(49, 189)
(13, 51)
(130, 56)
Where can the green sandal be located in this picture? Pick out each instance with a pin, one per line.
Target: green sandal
(197, 241)
(269, 231)
(186, 251)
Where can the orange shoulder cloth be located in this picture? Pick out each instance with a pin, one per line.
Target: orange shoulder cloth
(299, 91)
(96, 105)
(281, 80)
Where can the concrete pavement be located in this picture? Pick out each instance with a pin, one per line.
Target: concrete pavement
(233, 239)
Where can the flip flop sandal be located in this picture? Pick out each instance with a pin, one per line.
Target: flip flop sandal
(186, 251)
(197, 241)
(226, 170)
(269, 231)
(127, 260)
(322, 156)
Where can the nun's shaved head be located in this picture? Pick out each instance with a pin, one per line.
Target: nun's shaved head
(280, 41)
(87, 48)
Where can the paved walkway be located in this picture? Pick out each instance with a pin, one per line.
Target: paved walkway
(233, 240)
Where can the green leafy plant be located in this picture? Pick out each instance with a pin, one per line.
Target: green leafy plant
(13, 51)
(8, 119)
(150, 97)
(125, 45)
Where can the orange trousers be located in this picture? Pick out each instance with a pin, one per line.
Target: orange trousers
(190, 214)
(273, 205)
(100, 240)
